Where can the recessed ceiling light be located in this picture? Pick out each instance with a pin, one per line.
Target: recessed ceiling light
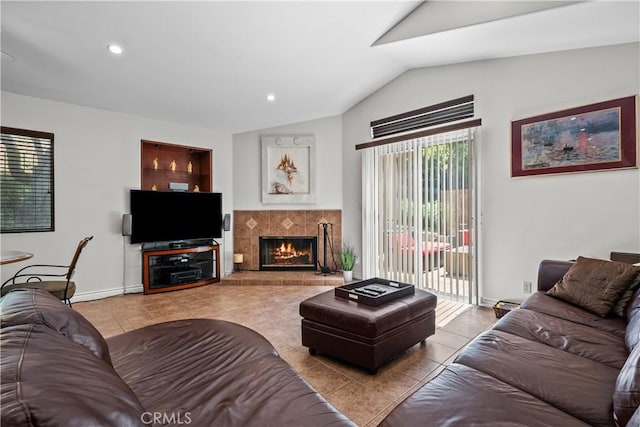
(115, 49)
(271, 97)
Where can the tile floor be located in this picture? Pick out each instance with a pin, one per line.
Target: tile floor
(273, 312)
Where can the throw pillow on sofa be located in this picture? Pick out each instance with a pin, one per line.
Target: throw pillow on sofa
(594, 284)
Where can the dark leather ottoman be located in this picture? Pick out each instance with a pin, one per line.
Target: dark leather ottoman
(364, 335)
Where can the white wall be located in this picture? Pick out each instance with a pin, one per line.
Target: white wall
(523, 220)
(247, 165)
(97, 160)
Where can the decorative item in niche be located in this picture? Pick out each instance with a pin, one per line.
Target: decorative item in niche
(593, 137)
(288, 169)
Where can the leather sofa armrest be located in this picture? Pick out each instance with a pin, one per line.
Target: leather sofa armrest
(550, 271)
(626, 257)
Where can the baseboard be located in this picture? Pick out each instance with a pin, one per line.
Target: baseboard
(488, 302)
(90, 296)
(137, 289)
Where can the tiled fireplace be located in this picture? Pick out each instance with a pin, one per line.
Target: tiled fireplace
(249, 226)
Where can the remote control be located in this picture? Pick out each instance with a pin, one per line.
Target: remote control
(366, 292)
(375, 288)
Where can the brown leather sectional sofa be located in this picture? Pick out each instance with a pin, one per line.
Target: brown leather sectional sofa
(549, 363)
(57, 370)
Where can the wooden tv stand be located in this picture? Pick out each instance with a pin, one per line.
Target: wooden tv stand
(170, 269)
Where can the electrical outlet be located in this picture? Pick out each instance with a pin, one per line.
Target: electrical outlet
(526, 287)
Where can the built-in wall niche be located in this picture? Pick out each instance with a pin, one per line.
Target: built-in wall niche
(163, 164)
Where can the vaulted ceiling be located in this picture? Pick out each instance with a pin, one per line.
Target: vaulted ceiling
(212, 63)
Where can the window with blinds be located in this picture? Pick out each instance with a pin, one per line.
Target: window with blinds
(26, 181)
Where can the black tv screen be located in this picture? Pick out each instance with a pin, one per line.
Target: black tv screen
(162, 216)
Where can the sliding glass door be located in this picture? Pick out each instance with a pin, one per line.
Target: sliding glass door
(419, 203)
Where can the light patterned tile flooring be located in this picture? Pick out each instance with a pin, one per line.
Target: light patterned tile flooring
(273, 312)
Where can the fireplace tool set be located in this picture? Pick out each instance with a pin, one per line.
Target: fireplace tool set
(327, 243)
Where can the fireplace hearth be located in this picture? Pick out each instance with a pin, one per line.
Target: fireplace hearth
(285, 253)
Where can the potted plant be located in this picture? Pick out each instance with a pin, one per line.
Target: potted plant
(348, 260)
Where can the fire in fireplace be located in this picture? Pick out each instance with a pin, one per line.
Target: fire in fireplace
(288, 253)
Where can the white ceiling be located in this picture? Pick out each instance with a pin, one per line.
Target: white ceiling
(212, 63)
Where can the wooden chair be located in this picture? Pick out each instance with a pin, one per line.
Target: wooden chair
(32, 276)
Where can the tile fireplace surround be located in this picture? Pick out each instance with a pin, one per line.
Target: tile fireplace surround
(248, 226)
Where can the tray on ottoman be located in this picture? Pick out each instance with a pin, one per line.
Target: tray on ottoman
(374, 291)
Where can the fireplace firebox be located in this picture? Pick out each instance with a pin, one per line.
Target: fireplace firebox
(283, 253)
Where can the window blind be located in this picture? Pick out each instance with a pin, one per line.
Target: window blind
(433, 115)
(419, 213)
(26, 181)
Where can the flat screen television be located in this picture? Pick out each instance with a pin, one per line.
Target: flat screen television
(164, 216)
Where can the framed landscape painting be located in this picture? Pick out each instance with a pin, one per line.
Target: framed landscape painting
(593, 137)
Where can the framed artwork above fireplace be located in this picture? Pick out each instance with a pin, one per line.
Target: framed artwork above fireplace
(288, 169)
